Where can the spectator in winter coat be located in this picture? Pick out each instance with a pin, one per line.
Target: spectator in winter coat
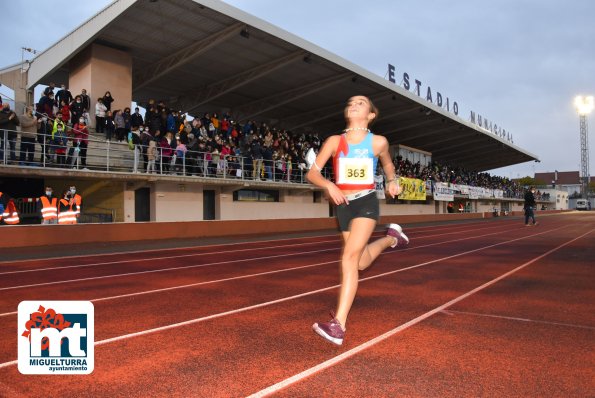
(28, 135)
(136, 119)
(109, 126)
(120, 124)
(166, 151)
(76, 109)
(59, 142)
(45, 106)
(8, 126)
(107, 100)
(63, 95)
(100, 110)
(81, 140)
(44, 137)
(86, 100)
(65, 112)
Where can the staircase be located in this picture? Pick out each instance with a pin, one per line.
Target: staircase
(108, 156)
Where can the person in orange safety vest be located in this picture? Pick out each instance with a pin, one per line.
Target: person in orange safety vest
(48, 207)
(76, 201)
(66, 215)
(8, 210)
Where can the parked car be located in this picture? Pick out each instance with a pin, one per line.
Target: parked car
(582, 204)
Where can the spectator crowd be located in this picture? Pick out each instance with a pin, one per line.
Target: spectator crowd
(166, 141)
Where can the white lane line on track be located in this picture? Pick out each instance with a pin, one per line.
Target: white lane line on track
(181, 248)
(165, 289)
(265, 273)
(163, 269)
(414, 229)
(268, 303)
(347, 354)
(136, 260)
(512, 318)
(223, 262)
(262, 273)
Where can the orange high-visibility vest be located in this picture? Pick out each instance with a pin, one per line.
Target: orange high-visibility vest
(4, 212)
(49, 210)
(76, 201)
(66, 215)
(13, 216)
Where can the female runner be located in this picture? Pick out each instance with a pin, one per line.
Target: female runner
(355, 155)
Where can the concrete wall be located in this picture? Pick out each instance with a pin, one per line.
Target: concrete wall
(44, 235)
(291, 205)
(406, 209)
(177, 202)
(99, 69)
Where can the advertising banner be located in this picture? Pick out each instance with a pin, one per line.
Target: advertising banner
(413, 189)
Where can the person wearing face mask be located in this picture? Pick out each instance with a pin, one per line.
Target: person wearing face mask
(59, 142)
(530, 207)
(63, 95)
(136, 119)
(65, 210)
(107, 100)
(80, 140)
(75, 203)
(48, 207)
(76, 110)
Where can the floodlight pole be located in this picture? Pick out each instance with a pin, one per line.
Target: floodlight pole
(584, 106)
(584, 155)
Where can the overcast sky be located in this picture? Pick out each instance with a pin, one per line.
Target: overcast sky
(519, 63)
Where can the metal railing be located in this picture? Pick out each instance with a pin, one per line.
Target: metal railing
(60, 151)
(66, 151)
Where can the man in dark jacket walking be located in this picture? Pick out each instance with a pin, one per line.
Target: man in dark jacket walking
(530, 206)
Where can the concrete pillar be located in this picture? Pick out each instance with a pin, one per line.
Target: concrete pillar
(98, 69)
(17, 81)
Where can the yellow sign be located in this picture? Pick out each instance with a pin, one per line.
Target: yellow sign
(413, 189)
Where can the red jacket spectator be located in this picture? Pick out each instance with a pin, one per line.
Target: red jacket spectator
(65, 112)
(81, 133)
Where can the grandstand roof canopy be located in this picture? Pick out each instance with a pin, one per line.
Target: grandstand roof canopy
(209, 56)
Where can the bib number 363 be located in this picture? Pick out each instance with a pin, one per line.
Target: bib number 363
(355, 171)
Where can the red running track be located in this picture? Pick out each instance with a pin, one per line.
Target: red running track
(485, 308)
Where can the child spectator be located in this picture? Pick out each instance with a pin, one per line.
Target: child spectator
(64, 112)
(80, 141)
(180, 164)
(59, 143)
(109, 126)
(166, 151)
(134, 145)
(151, 156)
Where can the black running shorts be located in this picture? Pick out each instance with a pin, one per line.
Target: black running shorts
(366, 207)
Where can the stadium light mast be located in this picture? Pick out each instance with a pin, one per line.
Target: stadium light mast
(584, 106)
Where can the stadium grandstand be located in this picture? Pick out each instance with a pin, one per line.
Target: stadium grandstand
(215, 84)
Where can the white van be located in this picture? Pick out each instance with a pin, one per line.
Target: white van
(582, 204)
